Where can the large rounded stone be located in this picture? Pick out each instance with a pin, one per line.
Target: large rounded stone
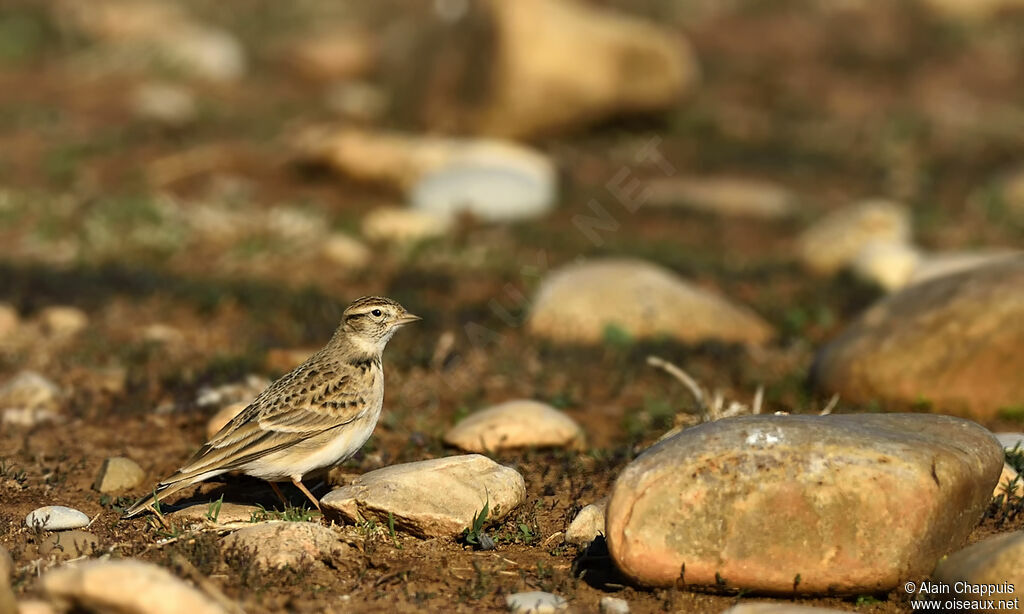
(124, 586)
(578, 303)
(954, 342)
(813, 504)
(56, 518)
(431, 498)
(514, 424)
(995, 562)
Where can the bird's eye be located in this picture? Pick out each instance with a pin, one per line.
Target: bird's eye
(376, 313)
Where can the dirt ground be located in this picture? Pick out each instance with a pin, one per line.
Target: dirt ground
(835, 104)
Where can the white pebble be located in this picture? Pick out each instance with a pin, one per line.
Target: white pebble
(614, 605)
(535, 602)
(56, 518)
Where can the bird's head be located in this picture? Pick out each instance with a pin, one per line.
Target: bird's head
(370, 321)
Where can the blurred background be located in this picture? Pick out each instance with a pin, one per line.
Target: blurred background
(191, 192)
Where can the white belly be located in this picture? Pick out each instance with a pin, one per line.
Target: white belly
(285, 464)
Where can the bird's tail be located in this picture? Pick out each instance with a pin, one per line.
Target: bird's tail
(151, 500)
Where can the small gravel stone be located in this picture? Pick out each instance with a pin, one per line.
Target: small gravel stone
(69, 544)
(118, 474)
(345, 251)
(56, 518)
(588, 523)
(535, 602)
(726, 196)
(61, 321)
(238, 392)
(164, 103)
(29, 390)
(398, 225)
(835, 241)
(614, 605)
(222, 417)
(9, 320)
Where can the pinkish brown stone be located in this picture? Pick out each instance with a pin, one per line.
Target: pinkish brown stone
(816, 504)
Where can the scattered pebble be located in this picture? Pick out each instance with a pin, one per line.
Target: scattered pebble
(1006, 478)
(341, 53)
(891, 265)
(431, 498)
(588, 523)
(9, 320)
(358, 101)
(62, 321)
(69, 544)
(948, 263)
(614, 605)
(289, 544)
(494, 183)
(56, 518)
(30, 390)
(698, 497)
(1011, 440)
(961, 329)
(222, 417)
(727, 196)
(835, 241)
(345, 251)
(163, 334)
(227, 514)
(164, 103)
(997, 560)
(118, 474)
(125, 586)
(238, 392)
(535, 602)
(8, 604)
(514, 424)
(397, 225)
(578, 303)
(778, 608)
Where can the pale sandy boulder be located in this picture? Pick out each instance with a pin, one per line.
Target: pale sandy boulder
(834, 241)
(532, 83)
(224, 415)
(431, 498)
(289, 544)
(398, 225)
(118, 474)
(858, 502)
(953, 342)
(725, 196)
(514, 424)
(579, 302)
(124, 586)
(996, 561)
(588, 523)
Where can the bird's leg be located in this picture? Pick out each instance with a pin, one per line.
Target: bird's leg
(277, 491)
(298, 484)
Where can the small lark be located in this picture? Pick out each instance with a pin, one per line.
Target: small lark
(316, 416)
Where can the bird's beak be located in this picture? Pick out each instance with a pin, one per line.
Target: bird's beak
(407, 318)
